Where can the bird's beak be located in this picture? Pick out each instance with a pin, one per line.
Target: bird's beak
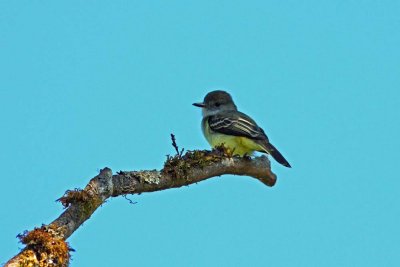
(200, 105)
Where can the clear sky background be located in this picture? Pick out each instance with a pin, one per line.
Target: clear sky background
(89, 84)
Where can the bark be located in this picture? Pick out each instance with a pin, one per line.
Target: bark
(46, 246)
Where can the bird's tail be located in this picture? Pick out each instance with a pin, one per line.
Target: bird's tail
(276, 154)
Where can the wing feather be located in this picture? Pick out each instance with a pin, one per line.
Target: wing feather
(238, 124)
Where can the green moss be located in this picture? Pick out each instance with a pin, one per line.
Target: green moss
(178, 166)
(88, 207)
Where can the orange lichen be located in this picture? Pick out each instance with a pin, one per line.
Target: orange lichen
(49, 248)
(73, 196)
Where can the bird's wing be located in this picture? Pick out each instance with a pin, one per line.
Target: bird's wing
(236, 123)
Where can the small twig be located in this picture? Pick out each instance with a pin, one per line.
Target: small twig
(129, 200)
(176, 146)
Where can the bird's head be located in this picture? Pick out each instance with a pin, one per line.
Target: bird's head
(215, 102)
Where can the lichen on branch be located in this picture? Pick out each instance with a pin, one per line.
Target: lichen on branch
(46, 246)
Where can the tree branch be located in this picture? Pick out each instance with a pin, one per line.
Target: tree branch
(46, 246)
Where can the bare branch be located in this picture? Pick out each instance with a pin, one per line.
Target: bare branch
(46, 246)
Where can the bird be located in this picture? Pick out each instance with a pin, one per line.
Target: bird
(223, 124)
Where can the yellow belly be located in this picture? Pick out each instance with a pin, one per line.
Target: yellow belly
(239, 145)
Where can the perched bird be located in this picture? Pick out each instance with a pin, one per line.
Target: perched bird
(223, 124)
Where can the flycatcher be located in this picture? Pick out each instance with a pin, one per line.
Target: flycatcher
(223, 124)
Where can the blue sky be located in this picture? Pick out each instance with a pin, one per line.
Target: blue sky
(89, 84)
